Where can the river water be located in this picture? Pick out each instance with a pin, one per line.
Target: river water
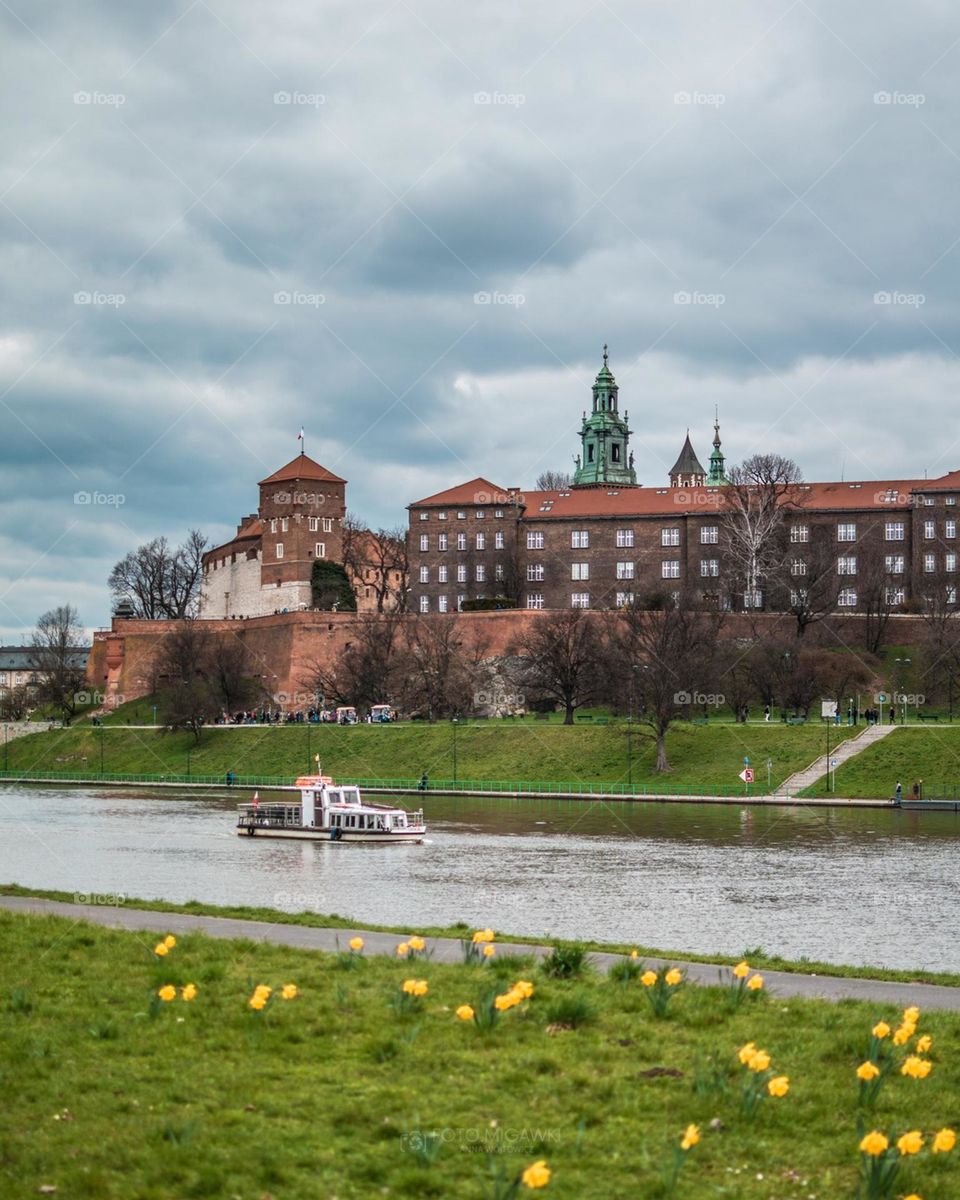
(858, 886)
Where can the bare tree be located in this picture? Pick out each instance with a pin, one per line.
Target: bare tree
(159, 582)
(56, 657)
(562, 660)
(439, 667)
(941, 641)
(367, 671)
(875, 592)
(15, 703)
(553, 481)
(761, 491)
(200, 674)
(805, 582)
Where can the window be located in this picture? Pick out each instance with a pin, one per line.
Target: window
(798, 567)
(753, 599)
(534, 541)
(799, 533)
(580, 600)
(929, 530)
(320, 550)
(534, 599)
(441, 604)
(950, 529)
(893, 531)
(625, 570)
(424, 516)
(498, 572)
(709, 535)
(498, 540)
(328, 524)
(580, 539)
(895, 595)
(442, 573)
(669, 537)
(442, 515)
(273, 525)
(929, 501)
(670, 569)
(461, 515)
(461, 573)
(498, 512)
(579, 571)
(424, 542)
(847, 533)
(461, 601)
(481, 573)
(929, 563)
(950, 562)
(709, 567)
(798, 598)
(424, 574)
(480, 514)
(314, 524)
(624, 599)
(424, 604)
(847, 564)
(481, 541)
(893, 564)
(847, 598)
(284, 524)
(624, 538)
(535, 571)
(279, 549)
(461, 541)
(441, 541)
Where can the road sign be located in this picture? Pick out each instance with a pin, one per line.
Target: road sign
(881, 697)
(746, 761)
(747, 775)
(834, 762)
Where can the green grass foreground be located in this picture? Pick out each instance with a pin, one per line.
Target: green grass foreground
(702, 757)
(931, 754)
(115, 1095)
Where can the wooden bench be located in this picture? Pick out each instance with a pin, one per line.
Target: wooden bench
(928, 716)
(699, 721)
(584, 716)
(797, 720)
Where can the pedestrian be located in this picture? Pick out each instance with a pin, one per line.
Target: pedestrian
(916, 791)
(766, 713)
(898, 792)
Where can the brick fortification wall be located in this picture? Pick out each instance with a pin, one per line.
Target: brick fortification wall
(283, 647)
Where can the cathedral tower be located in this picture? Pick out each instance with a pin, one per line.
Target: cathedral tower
(605, 456)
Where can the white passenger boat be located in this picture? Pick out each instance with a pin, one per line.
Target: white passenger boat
(329, 812)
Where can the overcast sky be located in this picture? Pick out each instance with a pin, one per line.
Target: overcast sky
(173, 172)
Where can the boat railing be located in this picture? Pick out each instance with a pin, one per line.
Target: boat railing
(273, 816)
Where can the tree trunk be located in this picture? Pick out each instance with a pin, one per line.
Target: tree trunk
(568, 715)
(663, 765)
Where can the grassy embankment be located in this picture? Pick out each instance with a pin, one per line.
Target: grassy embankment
(703, 757)
(339, 1092)
(931, 754)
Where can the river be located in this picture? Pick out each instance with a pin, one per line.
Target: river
(857, 886)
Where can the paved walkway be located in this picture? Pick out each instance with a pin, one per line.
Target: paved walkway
(847, 749)
(304, 937)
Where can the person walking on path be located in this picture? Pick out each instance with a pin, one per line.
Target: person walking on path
(766, 713)
(898, 792)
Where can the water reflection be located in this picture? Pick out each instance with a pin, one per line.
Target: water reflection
(858, 885)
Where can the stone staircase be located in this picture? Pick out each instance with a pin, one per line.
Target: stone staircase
(845, 750)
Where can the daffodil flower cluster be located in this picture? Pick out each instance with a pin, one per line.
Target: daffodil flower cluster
(758, 1080)
(479, 947)
(263, 994)
(413, 947)
(660, 988)
(486, 1012)
(743, 984)
(882, 1055)
(881, 1159)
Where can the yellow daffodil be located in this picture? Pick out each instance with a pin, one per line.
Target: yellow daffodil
(465, 1012)
(167, 993)
(924, 1043)
(634, 954)
(944, 1141)
(189, 992)
(524, 987)
(779, 1085)
(915, 1067)
(417, 943)
(741, 970)
(867, 1071)
(673, 977)
(403, 949)
(745, 1053)
(911, 1015)
(913, 1196)
(881, 1030)
(356, 943)
(264, 990)
(910, 1143)
(690, 1137)
(874, 1144)
(289, 991)
(537, 1175)
(648, 978)
(507, 1000)
(161, 950)
(409, 985)
(258, 1001)
(421, 987)
(755, 983)
(483, 935)
(489, 951)
(169, 941)
(903, 1035)
(759, 1061)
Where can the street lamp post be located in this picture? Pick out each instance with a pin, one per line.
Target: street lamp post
(902, 664)
(454, 723)
(154, 714)
(101, 751)
(188, 762)
(829, 779)
(630, 753)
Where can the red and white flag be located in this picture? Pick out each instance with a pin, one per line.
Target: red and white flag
(300, 434)
(256, 799)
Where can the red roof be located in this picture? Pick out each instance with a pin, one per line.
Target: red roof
(302, 467)
(477, 491)
(250, 530)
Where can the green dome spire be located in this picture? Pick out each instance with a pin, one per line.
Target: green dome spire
(605, 437)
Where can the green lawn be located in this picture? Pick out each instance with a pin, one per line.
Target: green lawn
(114, 1095)
(931, 754)
(703, 757)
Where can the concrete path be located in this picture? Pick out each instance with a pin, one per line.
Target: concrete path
(842, 753)
(303, 937)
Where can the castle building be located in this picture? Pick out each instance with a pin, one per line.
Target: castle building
(607, 542)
